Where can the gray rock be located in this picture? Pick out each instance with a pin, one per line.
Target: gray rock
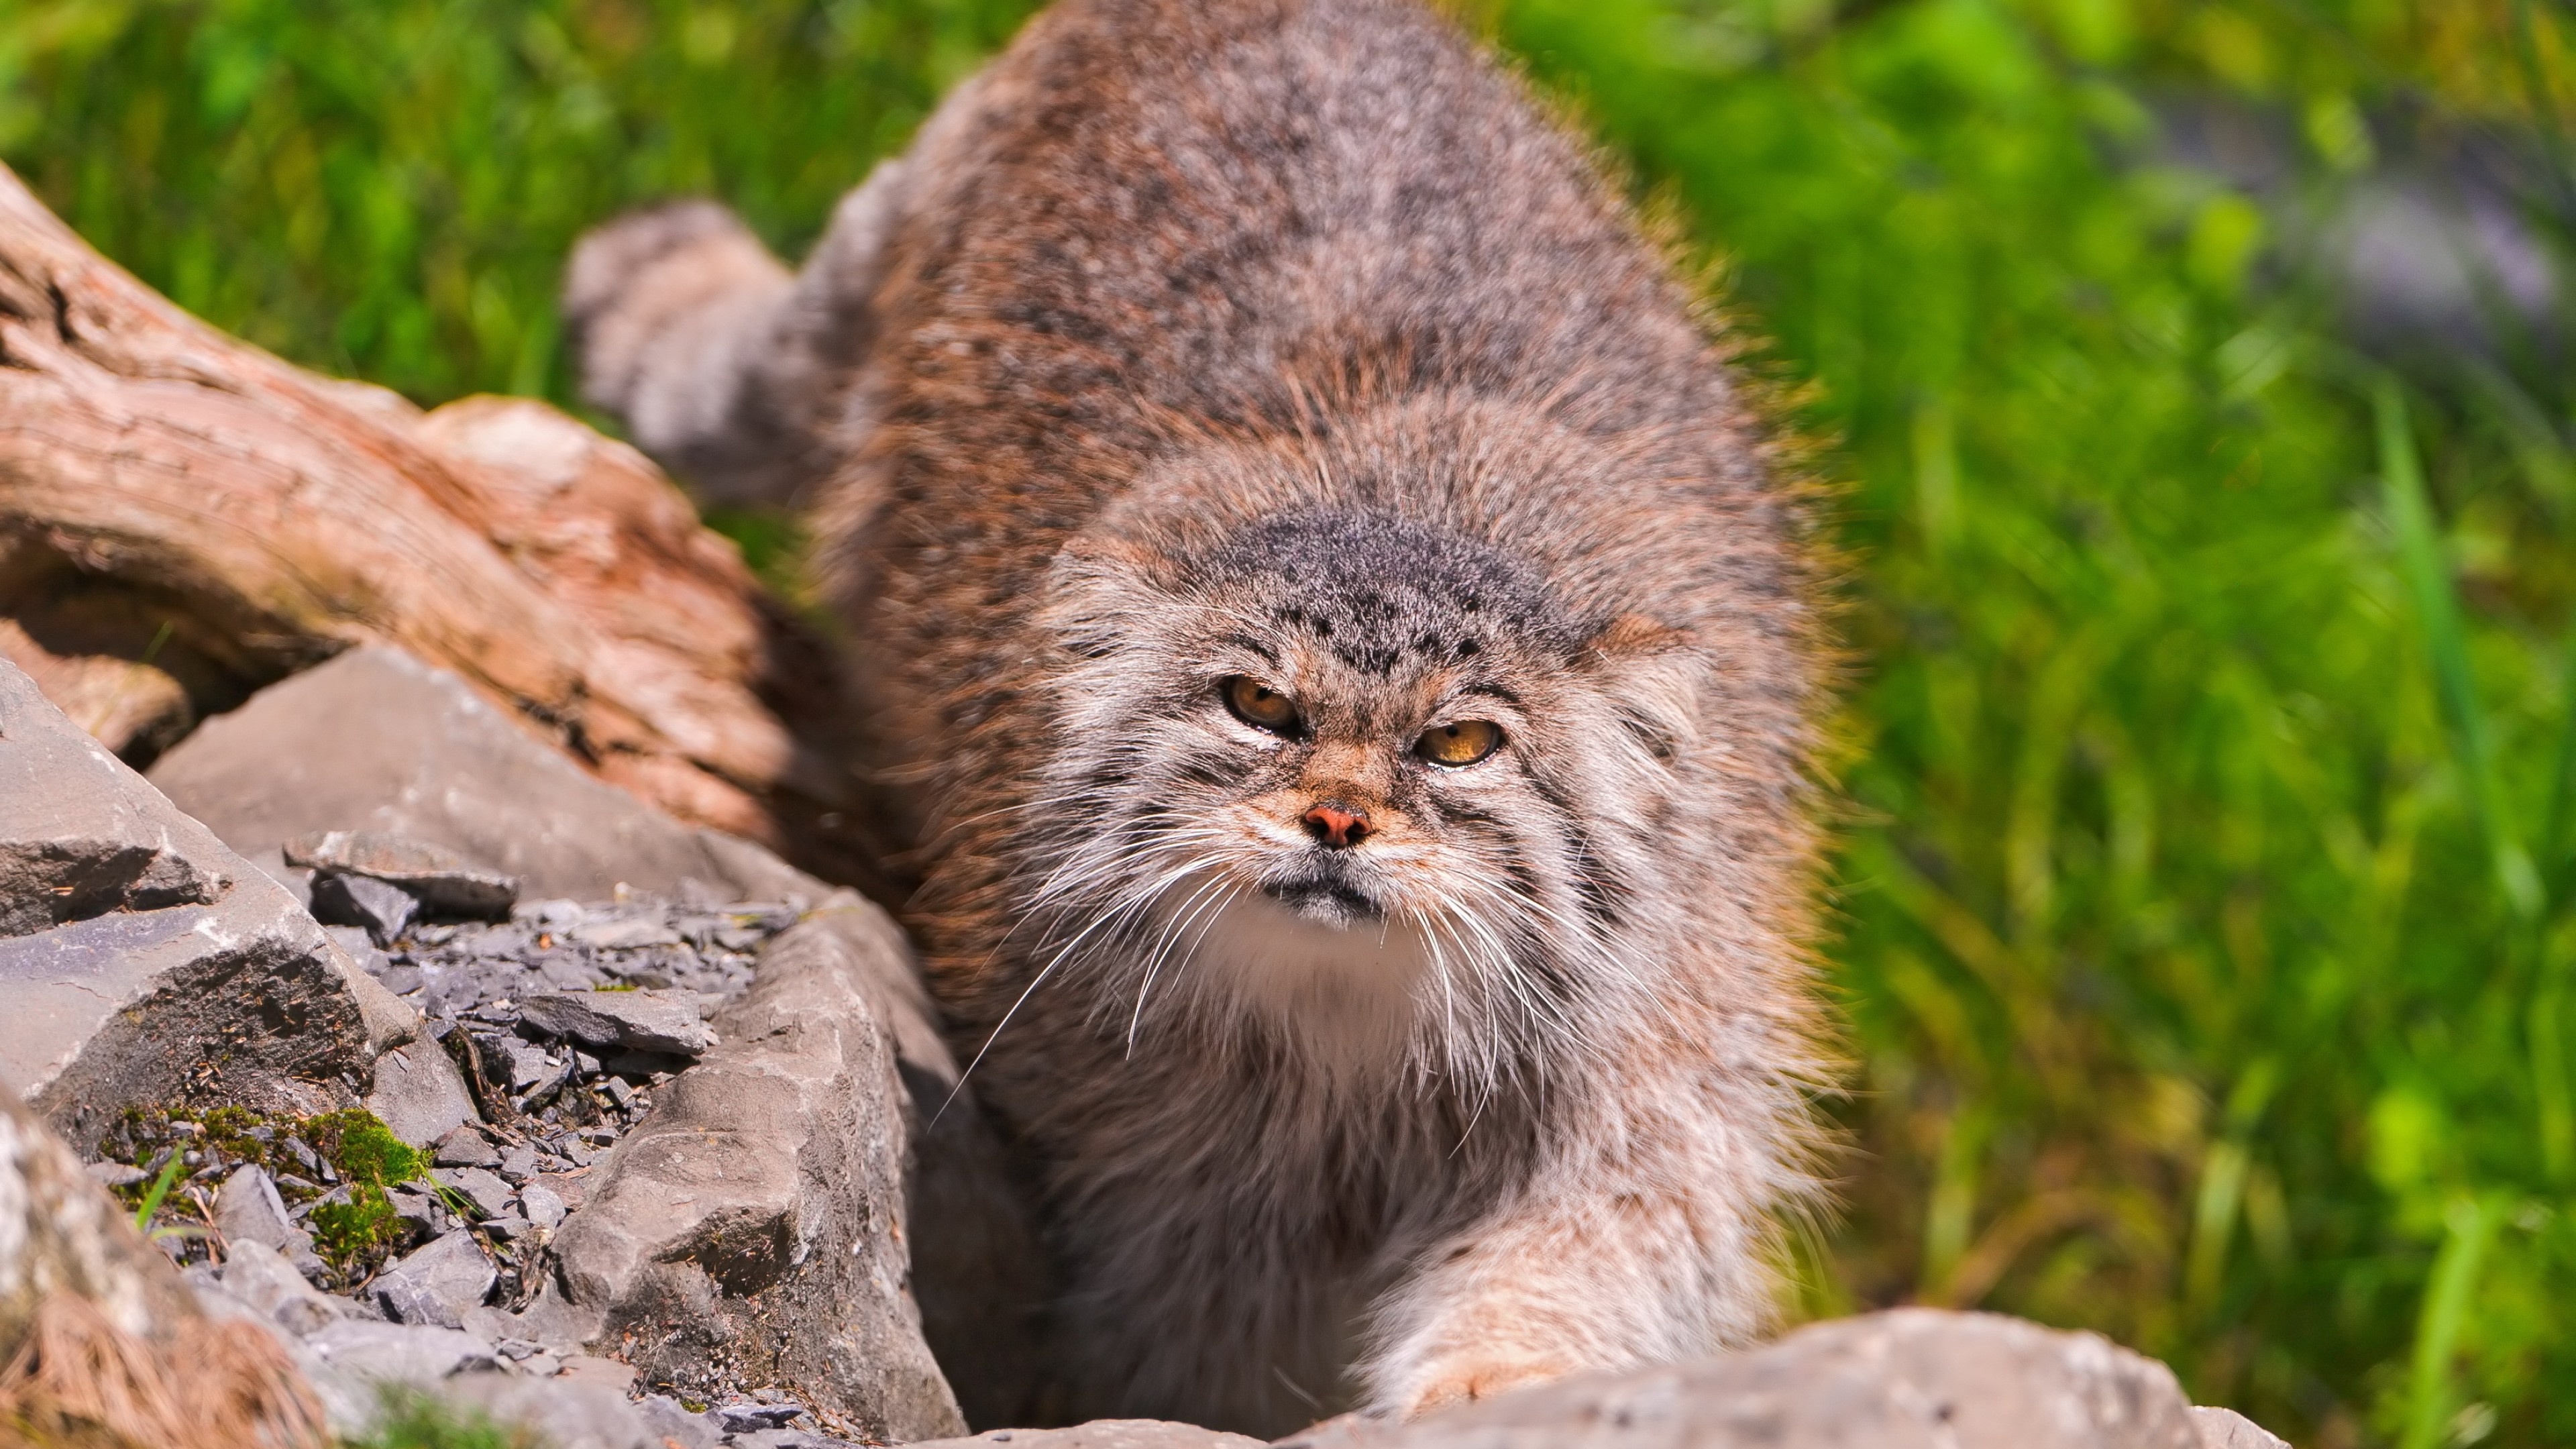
(558, 1413)
(667, 1022)
(632, 933)
(489, 1194)
(381, 910)
(466, 1147)
(418, 1207)
(374, 740)
(544, 1208)
(248, 1210)
(44, 883)
(442, 881)
(755, 1217)
(744, 1416)
(665, 1418)
(398, 1355)
(529, 1064)
(1911, 1378)
(115, 1174)
(436, 1283)
(254, 1274)
(1118, 1434)
(2227, 1429)
(419, 1093)
(591, 1368)
(197, 979)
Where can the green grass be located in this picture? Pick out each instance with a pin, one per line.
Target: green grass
(415, 1421)
(2201, 909)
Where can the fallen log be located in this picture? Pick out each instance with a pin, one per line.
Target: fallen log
(185, 518)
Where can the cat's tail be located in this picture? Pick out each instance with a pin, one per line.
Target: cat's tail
(731, 370)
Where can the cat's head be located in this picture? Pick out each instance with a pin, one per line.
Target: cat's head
(1367, 781)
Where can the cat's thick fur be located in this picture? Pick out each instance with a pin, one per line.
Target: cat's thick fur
(1200, 341)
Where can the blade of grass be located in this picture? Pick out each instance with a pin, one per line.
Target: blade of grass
(160, 1189)
(2470, 1226)
(2437, 611)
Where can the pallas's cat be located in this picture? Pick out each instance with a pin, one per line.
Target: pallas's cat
(1338, 653)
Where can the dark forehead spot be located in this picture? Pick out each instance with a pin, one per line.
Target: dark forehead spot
(1384, 588)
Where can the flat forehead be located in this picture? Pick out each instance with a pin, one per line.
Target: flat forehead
(1383, 595)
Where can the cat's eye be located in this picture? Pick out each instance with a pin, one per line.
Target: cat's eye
(1463, 743)
(1258, 705)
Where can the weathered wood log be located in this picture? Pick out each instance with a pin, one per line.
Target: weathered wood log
(184, 517)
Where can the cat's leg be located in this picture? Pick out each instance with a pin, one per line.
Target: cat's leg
(721, 363)
(1648, 1238)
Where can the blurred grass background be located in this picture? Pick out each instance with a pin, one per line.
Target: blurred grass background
(2203, 906)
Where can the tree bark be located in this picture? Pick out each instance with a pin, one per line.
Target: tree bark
(184, 518)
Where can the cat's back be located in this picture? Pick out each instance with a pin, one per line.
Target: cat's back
(1156, 223)
(1158, 214)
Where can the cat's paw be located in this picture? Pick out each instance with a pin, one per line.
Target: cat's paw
(629, 280)
(1469, 1377)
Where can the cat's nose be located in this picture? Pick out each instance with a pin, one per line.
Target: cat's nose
(1337, 825)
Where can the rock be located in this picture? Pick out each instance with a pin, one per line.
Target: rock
(755, 1217)
(466, 1147)
(606, 1372)
(115, 1174)
(436, 1283)
(666, 1419)
(442, 881)
(667, 1022)
(419, 1094)
(2227, 1429)
(374, 740)
(545, 1210)
(398, 1355)
(560, 1413)
(781, 1439)
(381, 910)
(745, 1417)
(630, 934)
(1125, 1434)
(147, 963)
(1910, 1378)
(489, 1194)
(248, 1210)
(256, 1275)
(420, 1210)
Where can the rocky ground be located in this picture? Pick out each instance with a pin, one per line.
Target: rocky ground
(565, 1019)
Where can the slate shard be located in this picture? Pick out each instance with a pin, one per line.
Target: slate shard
(441, 880)
(380, 909)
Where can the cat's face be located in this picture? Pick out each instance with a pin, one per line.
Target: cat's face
(1358, 776)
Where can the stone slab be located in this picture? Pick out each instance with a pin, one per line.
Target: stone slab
(667, 1022)
(756, 1217)
(375, 740)
(1909, 1378)
(177, 972)
(1102, 1434)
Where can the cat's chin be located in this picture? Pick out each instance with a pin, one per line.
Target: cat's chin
(1339, 985)
(1329, 903)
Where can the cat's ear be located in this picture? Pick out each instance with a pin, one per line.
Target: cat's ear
(1651, 673)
